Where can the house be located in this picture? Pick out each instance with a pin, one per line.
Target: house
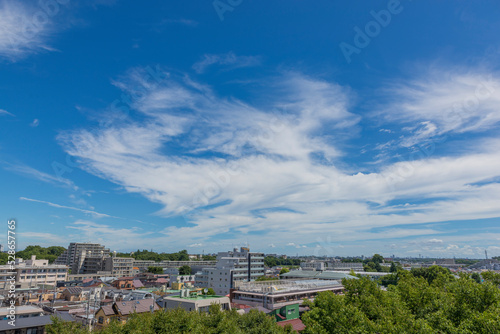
(120, 311)
(72, 293)
(124, 283)
(31, 325)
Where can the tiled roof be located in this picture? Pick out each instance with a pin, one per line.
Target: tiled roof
(74, 290)
(296, 324)
(138, 284)
(138, 306)
(108, 309)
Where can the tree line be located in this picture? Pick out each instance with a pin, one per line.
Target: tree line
(271, 261)
(47, 253)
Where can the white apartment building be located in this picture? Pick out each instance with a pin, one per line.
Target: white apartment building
(33, 272)
(231, 267)
(84, 258)
(119, 266)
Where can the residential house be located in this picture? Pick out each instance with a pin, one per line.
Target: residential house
(120, 311)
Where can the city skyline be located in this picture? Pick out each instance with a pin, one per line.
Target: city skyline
(317, 129)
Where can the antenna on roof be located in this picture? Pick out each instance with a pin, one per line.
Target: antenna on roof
(486, 254)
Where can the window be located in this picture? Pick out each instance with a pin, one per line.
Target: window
(101, 320)
(290, 311)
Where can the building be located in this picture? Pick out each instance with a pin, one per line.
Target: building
(29, 320)
(185, 279)
(122, 310)
(194, 301)
(320, 275)
(33, 272)
(84, 258)
(231, 267)
(288, 315)
(347, 266)
(124, 283)
(119, 266)
(313, 265)
(274, 295)
(178, 264)
(143, 265)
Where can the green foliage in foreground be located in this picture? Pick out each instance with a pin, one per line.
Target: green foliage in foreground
(179, 321)
(425, 301)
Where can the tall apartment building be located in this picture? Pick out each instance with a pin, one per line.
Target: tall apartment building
(84, 258)
(33, 272)
(231, 267)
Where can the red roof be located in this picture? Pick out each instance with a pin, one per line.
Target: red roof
(296, 324)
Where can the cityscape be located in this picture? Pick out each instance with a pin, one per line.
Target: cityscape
(233, 166)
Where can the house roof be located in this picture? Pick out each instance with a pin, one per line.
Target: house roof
(136, 306)
(74, 290)
(108, 309)
(33, 321)
(138, 284)
(297, 324)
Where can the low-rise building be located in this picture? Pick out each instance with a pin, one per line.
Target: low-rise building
(121, 310)
(312, 265)
(124, 283)
(277, 294)
(33, 272)
(194, 301)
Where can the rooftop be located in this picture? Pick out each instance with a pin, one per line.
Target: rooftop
(195, 297)
(289, 285)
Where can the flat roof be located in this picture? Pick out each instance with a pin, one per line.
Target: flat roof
(197, 297)
(24, 309)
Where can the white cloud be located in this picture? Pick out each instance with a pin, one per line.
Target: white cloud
(24, 29)
(5, 112)
(194, 148)
(445, 101)
(228, 59)
(41, 176)
(195, 245)
(93, 213)
(35, 123)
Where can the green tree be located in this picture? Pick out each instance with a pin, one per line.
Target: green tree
(59, 326)
(284, 271)
(155, 270)
(185, 270)
(210, 292)
(377, 258)
(476, 277)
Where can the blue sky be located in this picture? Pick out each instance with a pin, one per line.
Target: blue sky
(312, 127)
